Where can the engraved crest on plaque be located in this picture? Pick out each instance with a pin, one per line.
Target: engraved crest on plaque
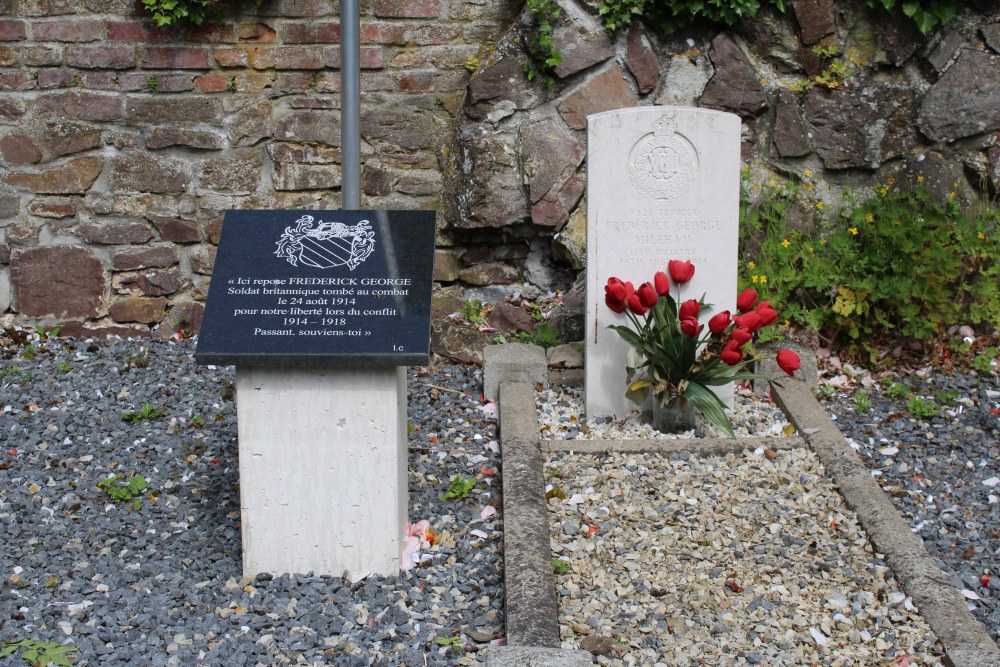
(326, 244)
(663, 164)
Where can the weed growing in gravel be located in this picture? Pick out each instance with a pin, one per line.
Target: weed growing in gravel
(456, 643)
(559, 566)
(147, 411)
(228, 390)
(64, 367)
(46, 335)
(947, 397)
(827, 390)
(197, 421)
(862, 402)
(985, 362)
(897, 390)
(30, 351)
(474, 311)
(921, 408)
(460, 487)
(123, 489)
(38, 653)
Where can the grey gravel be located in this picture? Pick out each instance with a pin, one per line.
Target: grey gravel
(159, 582)
(942, 472)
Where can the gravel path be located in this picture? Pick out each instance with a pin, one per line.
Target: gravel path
(156, 580)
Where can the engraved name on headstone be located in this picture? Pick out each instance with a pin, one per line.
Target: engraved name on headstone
(662, 184)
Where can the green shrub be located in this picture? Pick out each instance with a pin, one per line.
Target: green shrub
(899, 265)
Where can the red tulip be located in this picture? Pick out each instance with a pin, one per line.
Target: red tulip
(740, 336)
(766, 313)
(749, 320)
(788, 361)
(719, 322)
(690, 327)
(616, 294)
(647, 295)
(662, 283)
(746, 301)
(689, 308)
(731, 354)
(635, 305)
(680, 272)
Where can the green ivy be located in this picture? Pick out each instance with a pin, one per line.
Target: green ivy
(543, 56)
(193, 12)
(927, 14)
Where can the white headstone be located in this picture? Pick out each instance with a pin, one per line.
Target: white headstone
(662, 183)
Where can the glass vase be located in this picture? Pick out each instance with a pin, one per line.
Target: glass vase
(672, 414)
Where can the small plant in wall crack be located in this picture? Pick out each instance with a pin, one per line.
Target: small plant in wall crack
(543, 56)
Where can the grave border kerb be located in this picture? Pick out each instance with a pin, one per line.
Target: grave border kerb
(527, 553)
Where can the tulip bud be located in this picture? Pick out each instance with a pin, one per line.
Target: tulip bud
(719, 322)
(689, 308)
(749, 320)
(690, 327)
(635, 305)
(766, 314)
(746, 301)
(680, 272)
(788, 361)
(662, 283)
(741, 336)
(731, 354)
(647, 295)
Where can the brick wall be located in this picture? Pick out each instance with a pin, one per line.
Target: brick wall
(121, 145)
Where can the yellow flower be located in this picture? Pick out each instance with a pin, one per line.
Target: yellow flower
(810, 249)
(951, 195)
(752, 265)
(754, 279)
(822, 241)
(981, 235)
(786, 243)
(763, 280)
(870, 217)
(920, 179)
(853, 231)
(746, 167)
(890, 180)
(808, 172)
(819, 205)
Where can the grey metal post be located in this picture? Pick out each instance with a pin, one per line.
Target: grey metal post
(350, 104)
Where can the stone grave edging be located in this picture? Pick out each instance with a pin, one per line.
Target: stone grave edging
(531, 607)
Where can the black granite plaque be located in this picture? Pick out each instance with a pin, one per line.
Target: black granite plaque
(323, 288)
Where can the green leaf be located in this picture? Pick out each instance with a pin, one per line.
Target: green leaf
(710, 406)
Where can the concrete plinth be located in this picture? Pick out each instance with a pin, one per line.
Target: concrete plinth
(323, 466)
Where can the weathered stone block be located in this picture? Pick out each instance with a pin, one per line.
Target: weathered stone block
(789, 136)
(554, 208)
(816, 19)
(18, 149)
(295, 176)
(251, 125)
(965, 101)
(490, 273)
(58, 281)
(860, 127)
(144, 172)
(505, 316)
(488, 189)
(176, 230)
(257, 32)
(162, 137)
(316, 126)
(735, 86)
(580, 38)
(604, 92)
(551, 153)
(212, 83)
(68, 137)
(80, 106)
(144, 258)
(407, 8)
(407, 125)
(12, 30)
(144, 310)
(53, 207)
(74, 177)
(445, 266)
(239, 173)
(160, 110)
(114, 232)
(185, 317)
(202, 259)
(640, 58)
(504, 80)
(157, 282)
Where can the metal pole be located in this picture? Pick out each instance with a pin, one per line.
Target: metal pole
(350, 104)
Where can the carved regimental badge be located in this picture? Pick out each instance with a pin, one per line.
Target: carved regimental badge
(326, 244)
(663, 164)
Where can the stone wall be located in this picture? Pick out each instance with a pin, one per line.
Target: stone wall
(121, 145)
